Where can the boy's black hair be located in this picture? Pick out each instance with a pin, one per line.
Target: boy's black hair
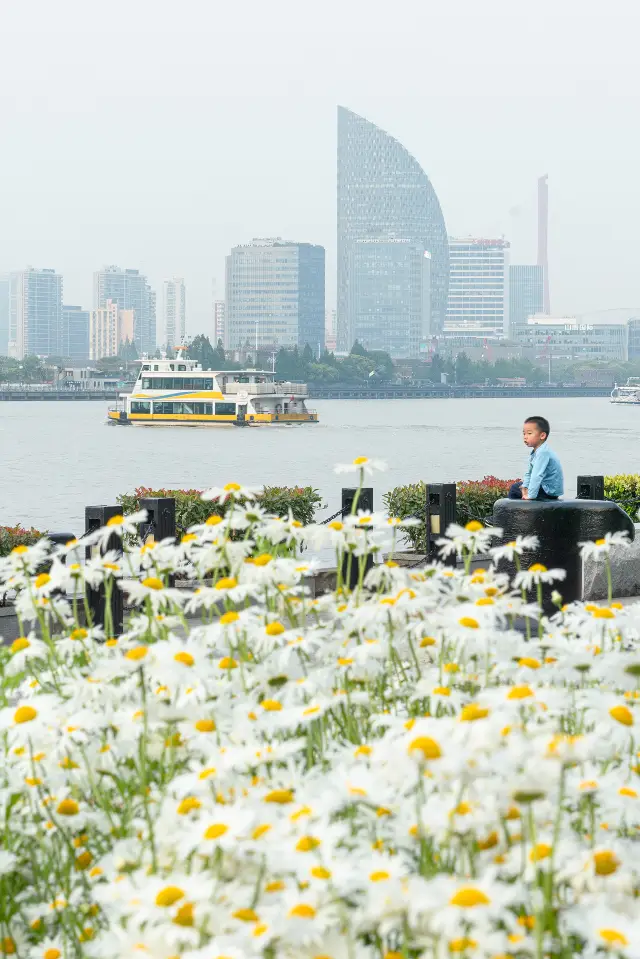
(541, 423)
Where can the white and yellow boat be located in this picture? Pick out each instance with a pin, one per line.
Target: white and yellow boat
(179, 392)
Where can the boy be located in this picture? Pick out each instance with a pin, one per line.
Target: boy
(543, 479)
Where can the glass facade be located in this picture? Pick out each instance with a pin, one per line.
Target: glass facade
(389, 295)
(634, 338)
(384, 192)
(175, 311)
(478, 280)
(74, 339)
(35, 320)
(5, 305)
(526, 294)
(275, 296)
(570, 339)
(129, 290)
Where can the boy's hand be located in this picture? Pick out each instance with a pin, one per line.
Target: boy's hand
(525, 494)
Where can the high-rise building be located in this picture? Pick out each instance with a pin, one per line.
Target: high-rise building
(330, 330)
(526, 294)
(74, 339)
(130, 291)
(5, 309)
(389, 295)
(175, 311)
(35, 320)
(109, 328)
(275, 295)
(384, 192)
(218, 320)
(478, 286)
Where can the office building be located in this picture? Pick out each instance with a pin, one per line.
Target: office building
(569, 338)
(330, 330)
(74, 338)
(35, 318)
(633, 326)
(526, 294)
(275, 296)
(389, 295)
(129, 290)
(109, 328)
(175, 312)
(478, 286)
(218, 321)
(5, 308)
(384, 192)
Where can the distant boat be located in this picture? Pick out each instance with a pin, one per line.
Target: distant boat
(630, 393)
(180, 393)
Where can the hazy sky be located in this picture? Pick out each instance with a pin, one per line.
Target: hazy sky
(156, 134)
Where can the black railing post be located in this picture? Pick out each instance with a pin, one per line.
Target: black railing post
(95, 518)
(351, 563)
(590, 487)
(161, 518)
(440, 512)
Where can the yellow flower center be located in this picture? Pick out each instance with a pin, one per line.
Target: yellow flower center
(263, 559)
(274, 629)
(605, 862)
(319, 872)
(537, 568)
(188, 804)
(169, 895)
(227, 582)
(613, 937)
(21, 548)
(213, 520)
(622, 714)
(68, 807)
(540, 851)
(205, 725)
(336, 525)
(137, 653)
(461, 945)
(520, 692)
(152, 582)
(51, 954)
(307, 843)
(227, 662)
(427, 641)
(380, 875)
(24, 714)
(185, 658)
(228, 618)
(427, 746)
(41, 580)
(529, 662)
(473, 711)
(473, 526)
(469, 897)
(469, 622)
(302, 911)
(20, 643)
(232, 487)
(360, 460)
(271, 705)
(216, 830)
(279, 796)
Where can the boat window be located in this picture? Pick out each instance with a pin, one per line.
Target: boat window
(145, 368)
(171, 366)
(182, 366)
(140, 407)
(148, 383)
(164, 409)
(225, 409)
(207, 383)
(156, 367)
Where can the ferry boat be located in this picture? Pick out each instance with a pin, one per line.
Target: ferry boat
(179, 392)
(630, 393)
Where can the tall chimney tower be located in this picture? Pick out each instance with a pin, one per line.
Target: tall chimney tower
(543, 235)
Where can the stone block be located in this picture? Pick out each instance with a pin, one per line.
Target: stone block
(625, 572)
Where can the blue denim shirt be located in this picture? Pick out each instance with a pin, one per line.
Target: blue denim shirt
(544, 471)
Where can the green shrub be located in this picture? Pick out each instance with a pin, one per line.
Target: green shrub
(12, 536)
(191, 509)
(474, 500)
(622, 488)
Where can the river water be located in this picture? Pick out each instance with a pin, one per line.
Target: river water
(56, 458)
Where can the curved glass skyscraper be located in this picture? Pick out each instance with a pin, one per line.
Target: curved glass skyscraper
(384, 194)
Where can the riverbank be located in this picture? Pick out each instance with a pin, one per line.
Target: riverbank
(347, 392)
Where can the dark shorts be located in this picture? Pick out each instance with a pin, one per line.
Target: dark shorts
(515, 492)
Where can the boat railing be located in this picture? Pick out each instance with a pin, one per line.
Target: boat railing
(267, 389)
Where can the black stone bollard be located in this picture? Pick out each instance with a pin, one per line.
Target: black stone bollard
(590, 487)
(440, 512)
(560, 525)
(350, 563)
(161, 518)
(95, 518)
